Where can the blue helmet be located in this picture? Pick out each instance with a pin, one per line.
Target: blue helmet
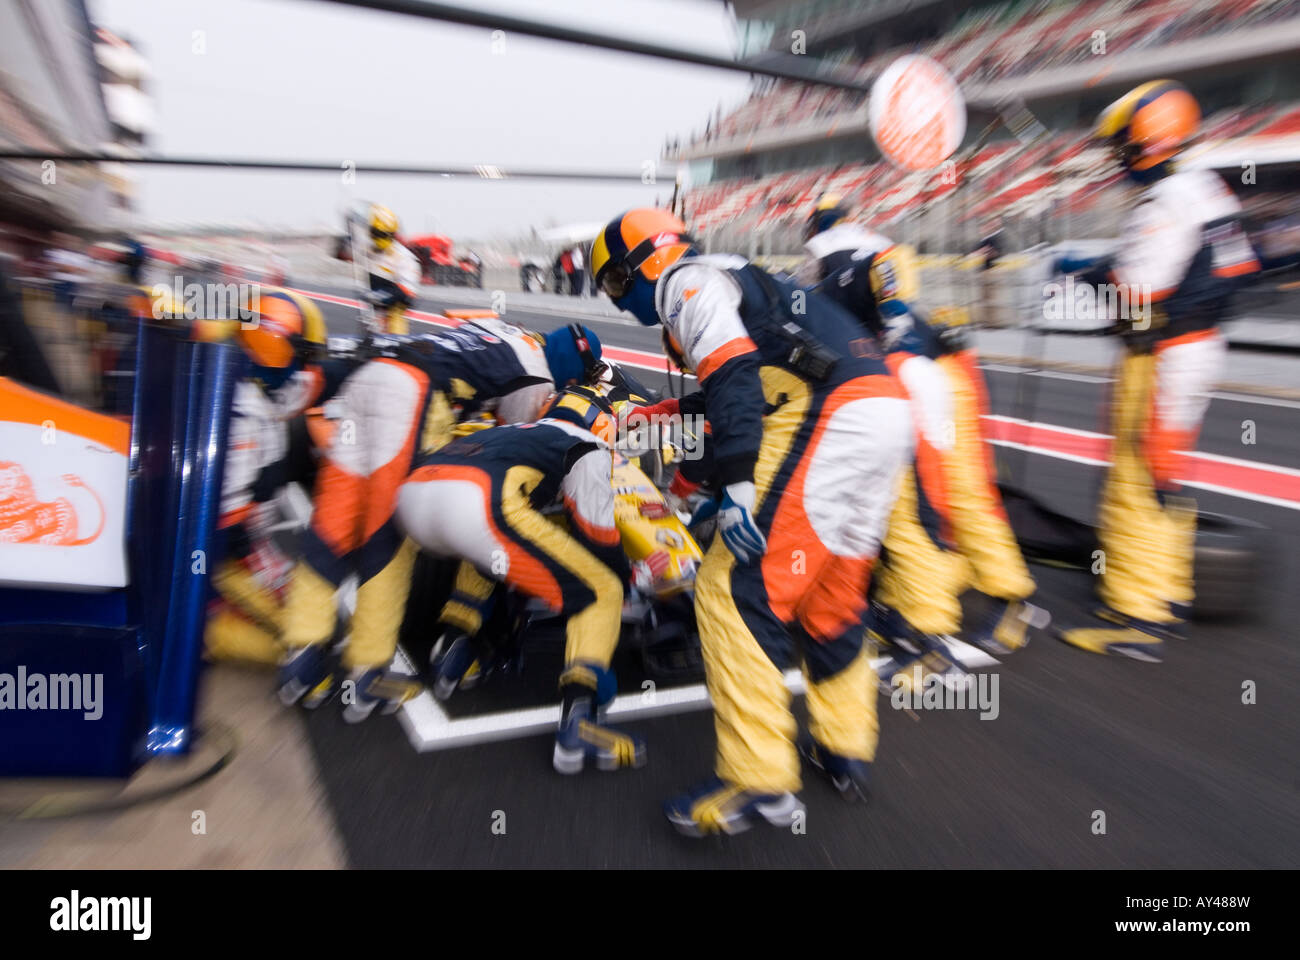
(573, 354)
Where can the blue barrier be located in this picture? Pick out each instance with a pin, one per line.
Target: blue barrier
(143, 642)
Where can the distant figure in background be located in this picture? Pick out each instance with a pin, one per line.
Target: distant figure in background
(68, 267)
(990, 248)
(990, 252)
(578, 278)
(566, 268)
(394, 271)
(558, 278)
(134, 259)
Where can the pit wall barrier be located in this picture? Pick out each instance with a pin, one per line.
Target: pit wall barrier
(104, 580)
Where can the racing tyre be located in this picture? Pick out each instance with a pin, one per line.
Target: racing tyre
(1229, 566)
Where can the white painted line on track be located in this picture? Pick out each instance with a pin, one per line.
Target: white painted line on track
(1003, 418)
(1048, 374)
(1262, 401)
(1242, 495)
(1076, 377)
(1237, 462)
(429, 727)
(1056, 454)
(1000, 367)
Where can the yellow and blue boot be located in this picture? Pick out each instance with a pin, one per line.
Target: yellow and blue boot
(1117, 634)
(306, 676)
(1005, 625)
(377, 687)
(910, 655)
(459, 668)
(719, 808)
(851, 778)
(585, 689)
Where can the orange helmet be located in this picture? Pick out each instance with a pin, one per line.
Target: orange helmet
(284, 327)
(1150, 123)
(645, 241)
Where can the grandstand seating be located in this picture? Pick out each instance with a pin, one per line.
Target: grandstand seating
(1013, 40)
(1065, 169)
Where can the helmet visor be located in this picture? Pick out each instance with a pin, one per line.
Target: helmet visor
(615, 277)
(616, 280)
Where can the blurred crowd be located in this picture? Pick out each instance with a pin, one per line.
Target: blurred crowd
(1013, 39)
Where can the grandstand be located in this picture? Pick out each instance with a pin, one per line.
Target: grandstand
(754, 171)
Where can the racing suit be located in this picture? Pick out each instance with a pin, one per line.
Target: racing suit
(394, 284)
(480, 499)
(244, 617)
(474, 595)
(1183, 254)
(802, 406)
(948, 530)
(393, 408)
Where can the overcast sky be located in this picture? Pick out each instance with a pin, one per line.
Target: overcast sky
(299, 79)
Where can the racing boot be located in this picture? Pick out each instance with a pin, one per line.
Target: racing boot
(884, 623)
(378, 687)
(1174, 629)
(716, 807)
(912, 676)
(584, 688)
(460, 668)
(1005, 627)
(850, 777)
(1119, 635)
(306, 676)
(910, 656)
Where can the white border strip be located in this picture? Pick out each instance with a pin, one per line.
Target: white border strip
(429, 727)
(1212, 487)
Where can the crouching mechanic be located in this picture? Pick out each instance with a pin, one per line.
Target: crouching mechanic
(481, 498)
(461, 656)
(398, 404)
(284, 350)
(948, 530)
(809, 435)
(1182, 256)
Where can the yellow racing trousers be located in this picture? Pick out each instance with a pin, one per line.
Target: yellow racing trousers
(389, 413)
(486, 518)
(826, 477)
(1148, 531)
(948, 532)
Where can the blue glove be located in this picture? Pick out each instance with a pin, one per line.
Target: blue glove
(736, 523)
(705, 511)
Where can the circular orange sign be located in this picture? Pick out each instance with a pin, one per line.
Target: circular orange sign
(917, 113)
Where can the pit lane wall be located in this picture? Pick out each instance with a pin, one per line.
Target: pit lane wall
(103, 591)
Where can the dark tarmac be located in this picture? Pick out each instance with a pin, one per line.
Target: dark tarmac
(1185, 773)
